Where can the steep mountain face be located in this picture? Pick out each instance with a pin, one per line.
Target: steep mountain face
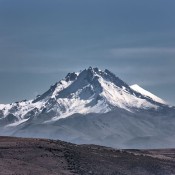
(87, 107)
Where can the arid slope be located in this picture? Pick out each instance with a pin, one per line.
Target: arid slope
(19, 156)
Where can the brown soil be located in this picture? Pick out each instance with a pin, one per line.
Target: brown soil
(20, 156)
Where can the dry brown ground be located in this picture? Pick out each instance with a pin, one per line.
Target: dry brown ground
(20, 156)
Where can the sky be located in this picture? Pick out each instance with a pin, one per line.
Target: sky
(42, 40)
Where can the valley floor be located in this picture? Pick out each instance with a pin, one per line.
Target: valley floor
(20, 156)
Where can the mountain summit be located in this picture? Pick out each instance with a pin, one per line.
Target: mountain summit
(89, 99)
(89, 91)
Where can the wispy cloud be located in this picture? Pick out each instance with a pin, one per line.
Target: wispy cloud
(137, 51)
(34, 70)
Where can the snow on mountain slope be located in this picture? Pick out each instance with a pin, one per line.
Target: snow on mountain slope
(94, 107)
(144, 92)
(122, 98)
(2, 106)
(88, 91)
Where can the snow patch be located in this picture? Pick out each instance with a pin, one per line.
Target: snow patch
(17, 123)
(146, 93)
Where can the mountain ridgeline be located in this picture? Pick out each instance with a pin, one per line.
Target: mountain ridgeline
(95, 107)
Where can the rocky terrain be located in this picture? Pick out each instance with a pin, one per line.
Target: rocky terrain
(20, 156)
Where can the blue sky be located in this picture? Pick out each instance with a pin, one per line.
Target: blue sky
(42, 40)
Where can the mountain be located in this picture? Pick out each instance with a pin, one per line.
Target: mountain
(93, 106)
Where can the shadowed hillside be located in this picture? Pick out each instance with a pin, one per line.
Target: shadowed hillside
(48, 157)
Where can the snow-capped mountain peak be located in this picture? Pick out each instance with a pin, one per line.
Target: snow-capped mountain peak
(95, 107)
(89, 91)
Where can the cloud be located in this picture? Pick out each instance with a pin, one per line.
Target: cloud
(138, 51)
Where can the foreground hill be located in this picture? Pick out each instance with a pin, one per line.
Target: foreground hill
(48, 157)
